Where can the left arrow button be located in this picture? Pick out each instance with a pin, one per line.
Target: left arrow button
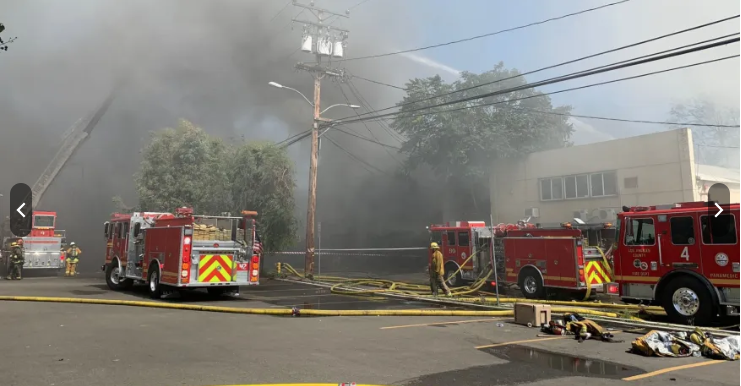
(21, 212)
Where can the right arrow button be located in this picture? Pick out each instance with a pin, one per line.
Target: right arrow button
(720, 210)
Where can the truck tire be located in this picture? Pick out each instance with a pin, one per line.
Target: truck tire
(530, 284)
(155, 288)
(685, 298)
(450, 280)
(113, 280)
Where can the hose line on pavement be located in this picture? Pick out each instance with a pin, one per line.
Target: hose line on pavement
(357, 287)
(286, 311)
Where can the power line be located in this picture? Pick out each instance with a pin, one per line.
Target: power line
(366, 139)
(573, 89)
(617, 119)
(484, 35)
(559, 79)
(560, 64)
(281, 10)
(356, 158)
(366, 125)
(358, 5)
(383, 123)
(379, 83)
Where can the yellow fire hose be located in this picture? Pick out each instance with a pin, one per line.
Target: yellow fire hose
(288, 312)
(340, 286)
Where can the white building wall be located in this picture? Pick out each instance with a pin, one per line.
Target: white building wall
(663, 164)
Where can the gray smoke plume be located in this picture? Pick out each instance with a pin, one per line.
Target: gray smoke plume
(206, 61)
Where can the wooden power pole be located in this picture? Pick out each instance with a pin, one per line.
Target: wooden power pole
(323, 41)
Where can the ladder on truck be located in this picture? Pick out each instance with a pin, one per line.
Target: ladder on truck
(71, 141)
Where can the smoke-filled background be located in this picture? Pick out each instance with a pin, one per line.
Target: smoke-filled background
(210, 62)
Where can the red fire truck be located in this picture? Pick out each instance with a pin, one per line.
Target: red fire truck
(177, 251)
(684, 257)
(43, 247)
(532, 257)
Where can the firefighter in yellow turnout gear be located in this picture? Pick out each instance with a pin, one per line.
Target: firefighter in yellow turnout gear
(17, 259)
(73, 253)
(437, 271)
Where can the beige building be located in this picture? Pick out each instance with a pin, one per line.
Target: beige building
(594, 181)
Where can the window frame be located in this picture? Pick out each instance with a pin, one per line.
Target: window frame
(671, 230)
(602, 180)
(576, 186)
(451, 239)
(468, 238)
(699, 224)
(550, 181)
(653, 222)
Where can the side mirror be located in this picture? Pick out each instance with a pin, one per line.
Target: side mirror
(107, 229)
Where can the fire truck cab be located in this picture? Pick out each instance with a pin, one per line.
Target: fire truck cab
(684, 257)
(178, 251)
(532, 257)
(42, 247)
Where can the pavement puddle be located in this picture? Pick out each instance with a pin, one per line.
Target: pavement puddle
(572, 364)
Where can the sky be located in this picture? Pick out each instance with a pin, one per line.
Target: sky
(211, 62)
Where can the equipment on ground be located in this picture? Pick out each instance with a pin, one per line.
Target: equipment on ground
(535, 258)
(684, 257)
(178, 251)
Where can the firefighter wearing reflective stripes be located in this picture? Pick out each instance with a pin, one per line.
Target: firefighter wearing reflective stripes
(16, 262)
(73, 253)
(437, 271)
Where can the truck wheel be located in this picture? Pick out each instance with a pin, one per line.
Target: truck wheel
(114, 281)
(687, 298)
(155, 288)
(450, 280)
(530, 284)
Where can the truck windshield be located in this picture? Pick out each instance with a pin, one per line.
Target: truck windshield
(43, 221)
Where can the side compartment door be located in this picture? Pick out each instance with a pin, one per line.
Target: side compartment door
(680, 248)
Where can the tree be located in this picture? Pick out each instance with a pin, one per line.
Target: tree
(184, 166)
(710, 141)
(461, 145)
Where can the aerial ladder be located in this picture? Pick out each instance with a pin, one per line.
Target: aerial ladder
(72, 139)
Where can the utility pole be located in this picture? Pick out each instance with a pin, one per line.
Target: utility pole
(324, 41)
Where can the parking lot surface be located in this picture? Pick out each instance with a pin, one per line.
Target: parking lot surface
(85, 345)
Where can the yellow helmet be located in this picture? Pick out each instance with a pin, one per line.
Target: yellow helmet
(14, 244)
(434, 246)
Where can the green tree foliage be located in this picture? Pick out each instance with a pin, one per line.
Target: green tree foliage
(184, 166)
(461, 144)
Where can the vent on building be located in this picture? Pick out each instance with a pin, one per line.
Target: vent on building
(630, 182)
(532, 212)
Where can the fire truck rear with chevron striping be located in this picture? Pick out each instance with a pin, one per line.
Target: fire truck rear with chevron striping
(171, 252)
(566, 258)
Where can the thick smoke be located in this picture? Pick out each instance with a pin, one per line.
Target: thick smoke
(206, 61)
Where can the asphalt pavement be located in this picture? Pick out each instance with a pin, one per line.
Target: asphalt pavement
(85, 345)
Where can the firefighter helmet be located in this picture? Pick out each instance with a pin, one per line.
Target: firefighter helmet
(434, 246)
(14, 244)
(72, 244)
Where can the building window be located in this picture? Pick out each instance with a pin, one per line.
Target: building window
(603, 184)
(551, 189)
(630, 182)
(576, 186)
